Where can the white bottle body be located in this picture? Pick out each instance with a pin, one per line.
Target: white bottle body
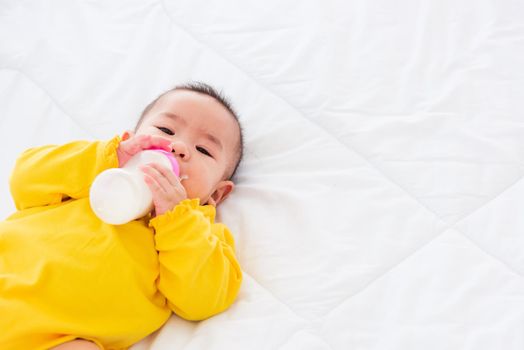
(120, 195)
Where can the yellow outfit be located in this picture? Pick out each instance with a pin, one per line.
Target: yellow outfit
(65, 274)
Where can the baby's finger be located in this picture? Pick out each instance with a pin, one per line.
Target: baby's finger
(140, 142)
(168, 174)
(154, 186)
(152, 171)
(161, 142)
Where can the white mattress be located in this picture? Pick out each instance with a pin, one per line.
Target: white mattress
(380, 204)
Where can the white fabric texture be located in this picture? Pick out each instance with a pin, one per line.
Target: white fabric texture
(380, 201)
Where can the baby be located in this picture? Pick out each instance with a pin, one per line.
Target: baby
(70, 281)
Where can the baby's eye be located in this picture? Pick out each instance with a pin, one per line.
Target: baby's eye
(165, 130)
(204, 151)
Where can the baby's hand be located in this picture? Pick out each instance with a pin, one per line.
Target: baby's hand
(132, 144)
(165, 186)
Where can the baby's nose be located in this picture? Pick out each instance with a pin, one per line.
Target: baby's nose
(181, 150)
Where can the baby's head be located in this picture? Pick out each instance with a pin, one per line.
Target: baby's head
(206, 138)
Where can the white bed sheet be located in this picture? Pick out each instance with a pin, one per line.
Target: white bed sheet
(379, 204)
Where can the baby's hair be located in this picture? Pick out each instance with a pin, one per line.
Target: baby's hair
(208, 90)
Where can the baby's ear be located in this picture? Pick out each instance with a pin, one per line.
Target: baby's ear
(127, 135)
(223, 189)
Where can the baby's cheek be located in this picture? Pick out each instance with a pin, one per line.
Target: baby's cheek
(191, 187)
(201, 186)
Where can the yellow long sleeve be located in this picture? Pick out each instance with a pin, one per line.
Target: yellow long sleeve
(50, 174)
(199, 273)
(66, 274)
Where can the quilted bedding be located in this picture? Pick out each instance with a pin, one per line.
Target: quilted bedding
(379, 204)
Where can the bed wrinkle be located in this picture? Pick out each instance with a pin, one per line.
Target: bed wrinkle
(401, 261)
(492, 256)
(504, 191)
(308, 330)
(272, 295)
(387, 271)
(39, 86)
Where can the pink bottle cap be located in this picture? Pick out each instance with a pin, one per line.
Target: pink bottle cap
(171, 157)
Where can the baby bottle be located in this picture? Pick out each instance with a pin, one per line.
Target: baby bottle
(120, 195)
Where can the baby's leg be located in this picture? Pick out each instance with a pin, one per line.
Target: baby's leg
(77, 344)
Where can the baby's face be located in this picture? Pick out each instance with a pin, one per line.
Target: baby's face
(204, 137)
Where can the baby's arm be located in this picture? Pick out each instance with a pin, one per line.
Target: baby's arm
(49, 174)
(199, 273)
